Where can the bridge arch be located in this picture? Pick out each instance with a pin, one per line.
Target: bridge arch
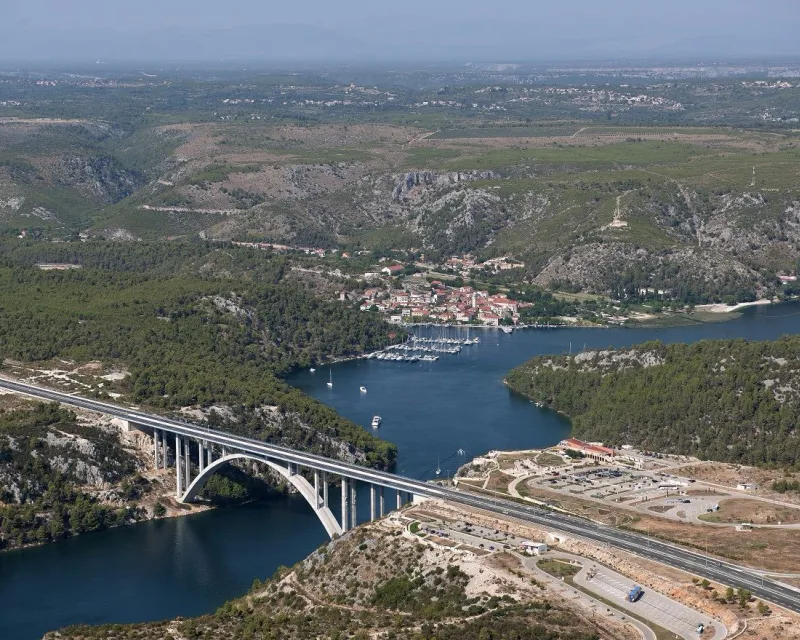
(302, 485)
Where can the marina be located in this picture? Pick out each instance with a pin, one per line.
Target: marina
(426, 348)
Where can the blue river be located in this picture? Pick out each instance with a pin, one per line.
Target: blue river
(189, 566)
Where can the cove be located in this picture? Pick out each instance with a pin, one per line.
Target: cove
(188, 566)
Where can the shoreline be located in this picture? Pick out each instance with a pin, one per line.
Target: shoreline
(659, 321)
(720, 307)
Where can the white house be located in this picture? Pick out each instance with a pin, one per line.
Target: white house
(533, 548)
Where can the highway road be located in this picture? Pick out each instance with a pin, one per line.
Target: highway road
(672, 555)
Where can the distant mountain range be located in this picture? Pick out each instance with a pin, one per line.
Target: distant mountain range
(427, 42)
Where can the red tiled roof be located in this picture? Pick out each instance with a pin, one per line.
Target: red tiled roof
(580, 445)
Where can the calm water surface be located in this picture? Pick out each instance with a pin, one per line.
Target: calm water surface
(189, 566)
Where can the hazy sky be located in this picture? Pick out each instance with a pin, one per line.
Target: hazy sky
(515, 26)
(583, 15)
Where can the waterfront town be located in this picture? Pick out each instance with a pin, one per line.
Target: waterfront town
(421, 301)
(418, 298)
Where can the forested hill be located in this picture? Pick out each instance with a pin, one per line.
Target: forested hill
(727, 400)
(191, 325)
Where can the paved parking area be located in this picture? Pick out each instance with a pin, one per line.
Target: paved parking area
(476, 536)
(686, 508)
(652, 606)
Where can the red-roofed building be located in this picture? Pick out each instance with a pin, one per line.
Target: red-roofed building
(593, 451)
(502, 303)
(393, 270)
(491, 319)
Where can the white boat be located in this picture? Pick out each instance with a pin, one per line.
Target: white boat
(507, 329)
(362, 389)
(330, 381)
(376, 422)
(438, 468)
(312, 369)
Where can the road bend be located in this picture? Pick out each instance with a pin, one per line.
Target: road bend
(671, 555)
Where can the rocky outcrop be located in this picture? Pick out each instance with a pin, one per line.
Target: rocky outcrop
(405, 184)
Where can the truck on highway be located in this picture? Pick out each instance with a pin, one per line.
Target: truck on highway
(635, 593)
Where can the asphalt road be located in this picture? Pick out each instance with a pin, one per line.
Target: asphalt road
(672, 555)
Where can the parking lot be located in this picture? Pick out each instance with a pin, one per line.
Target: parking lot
(656, 492)
(652, 606)
(472, 535)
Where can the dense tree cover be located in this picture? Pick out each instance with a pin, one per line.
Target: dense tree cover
(544, 306)
(194, 325)
(43, 501)
(231, 485)
(727, 400)
(672, 282)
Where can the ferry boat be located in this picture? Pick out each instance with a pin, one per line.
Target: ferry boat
(376, 422)
(362, 389)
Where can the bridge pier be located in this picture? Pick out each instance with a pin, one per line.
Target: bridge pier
(156, 438)
(353, 512)
(187, 463)
(325, 489)
(371, 502)
(178, 475)
(344, 505)
(210, 455)
(380, 502)
(201, 456)
(163, 449)
(316, 490)
(399, 499)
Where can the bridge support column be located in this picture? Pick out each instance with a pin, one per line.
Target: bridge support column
(380, 502)
(399, 499)
(316, 489)
(156, 442)
(353, 512)
(210, 456)
(325, 489)
(178, 474)
(344, 505)
(371, 502)
(187, 463)
(163, 449)
(201, 455)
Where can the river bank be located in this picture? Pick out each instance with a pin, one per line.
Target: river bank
(728, 308)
